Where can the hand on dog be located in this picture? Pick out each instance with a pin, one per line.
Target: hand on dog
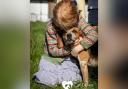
(75, 51)
(77, 47)
(77, 42)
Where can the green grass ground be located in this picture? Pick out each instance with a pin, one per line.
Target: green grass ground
(36, 50)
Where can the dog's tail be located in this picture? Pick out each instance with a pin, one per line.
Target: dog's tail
(93, 62)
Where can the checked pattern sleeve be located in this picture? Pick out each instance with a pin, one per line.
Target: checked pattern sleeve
(52, 44)
(90, 33)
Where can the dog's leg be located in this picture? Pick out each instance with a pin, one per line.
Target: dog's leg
(83, 58)
(84, 70)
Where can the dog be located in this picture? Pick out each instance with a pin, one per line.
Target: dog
(86, 58)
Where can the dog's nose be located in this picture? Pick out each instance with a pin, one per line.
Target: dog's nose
(69, 36)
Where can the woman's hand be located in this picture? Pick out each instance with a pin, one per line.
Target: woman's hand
(77, 42)
(75, 51)
(77, 47)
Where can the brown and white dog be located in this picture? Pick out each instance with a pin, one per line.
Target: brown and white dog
(86, 57)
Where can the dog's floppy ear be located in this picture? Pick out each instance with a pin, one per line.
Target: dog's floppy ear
(77, 32)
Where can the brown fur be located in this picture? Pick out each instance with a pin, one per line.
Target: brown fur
(85, 57)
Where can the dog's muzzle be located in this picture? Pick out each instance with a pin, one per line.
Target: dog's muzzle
(69, 39)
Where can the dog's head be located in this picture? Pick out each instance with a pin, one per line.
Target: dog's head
(70, 36)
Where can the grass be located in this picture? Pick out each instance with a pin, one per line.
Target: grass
(36, 50)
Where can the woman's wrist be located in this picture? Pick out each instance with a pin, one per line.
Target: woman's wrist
(80, 48)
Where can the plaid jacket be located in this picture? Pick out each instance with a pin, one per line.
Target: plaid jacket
(90, 36)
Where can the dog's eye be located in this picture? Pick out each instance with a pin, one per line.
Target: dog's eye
(64, 31)
(74, 31)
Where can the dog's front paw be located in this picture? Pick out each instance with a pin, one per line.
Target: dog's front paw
(86, 84)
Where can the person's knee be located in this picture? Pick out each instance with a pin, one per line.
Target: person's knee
(46, 78)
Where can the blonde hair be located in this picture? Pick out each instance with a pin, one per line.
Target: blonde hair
(65, 14)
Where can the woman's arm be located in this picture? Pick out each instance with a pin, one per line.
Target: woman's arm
(52, 43)
(90, 35)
